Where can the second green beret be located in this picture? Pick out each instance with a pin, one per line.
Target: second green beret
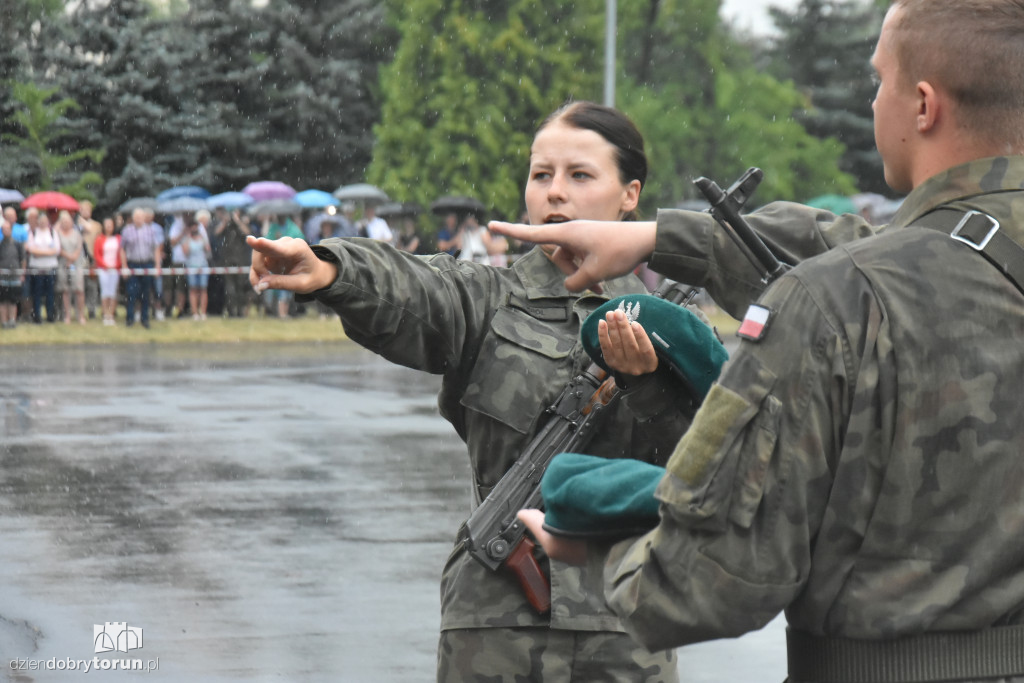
(585, 495)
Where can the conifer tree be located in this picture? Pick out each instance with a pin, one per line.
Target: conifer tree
(825, 48)
(221, 94)
(17, 36)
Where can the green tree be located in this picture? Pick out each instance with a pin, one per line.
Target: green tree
(825, 48)
(39, 119)
(469, 83)
(17, 38)
(316, 89)
(706, 110)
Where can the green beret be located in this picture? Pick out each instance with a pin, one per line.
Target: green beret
(679, 337)
(585, 495)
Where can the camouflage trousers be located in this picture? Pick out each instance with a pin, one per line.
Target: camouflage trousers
(542, 655)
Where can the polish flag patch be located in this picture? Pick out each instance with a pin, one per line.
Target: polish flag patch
(755, 322)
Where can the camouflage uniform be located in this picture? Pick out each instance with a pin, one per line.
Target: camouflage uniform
(860, 466)
(695, 249)
(506, 341)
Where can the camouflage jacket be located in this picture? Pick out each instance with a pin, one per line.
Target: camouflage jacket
(696, 250)
(859, 465)
(506, 341)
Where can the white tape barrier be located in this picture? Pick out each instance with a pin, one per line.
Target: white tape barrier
(206, 270)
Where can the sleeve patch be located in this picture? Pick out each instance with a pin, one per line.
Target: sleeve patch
(755, 322)
(694, 455)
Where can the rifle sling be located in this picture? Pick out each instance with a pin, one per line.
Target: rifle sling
(982, 233)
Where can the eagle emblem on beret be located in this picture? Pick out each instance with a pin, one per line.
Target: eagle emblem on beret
(632, 310)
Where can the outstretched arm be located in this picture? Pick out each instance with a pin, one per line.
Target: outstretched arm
(288, 263)
(589, 251)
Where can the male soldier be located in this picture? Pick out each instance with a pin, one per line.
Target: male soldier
(859, 462)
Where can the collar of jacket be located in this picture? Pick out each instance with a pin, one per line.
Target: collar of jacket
(542, 279)
(960, 184)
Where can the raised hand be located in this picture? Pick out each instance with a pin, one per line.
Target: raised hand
(287, 263)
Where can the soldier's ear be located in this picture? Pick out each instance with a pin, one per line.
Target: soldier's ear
(930, 106)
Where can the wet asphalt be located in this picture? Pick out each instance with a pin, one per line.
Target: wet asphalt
(256, 513)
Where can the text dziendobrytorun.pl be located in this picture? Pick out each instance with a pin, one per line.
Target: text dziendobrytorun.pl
(85, 665)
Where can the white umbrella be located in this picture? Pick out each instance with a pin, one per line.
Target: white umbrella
(181, 205)
(360, 192)
(10, 196)
(138, 203)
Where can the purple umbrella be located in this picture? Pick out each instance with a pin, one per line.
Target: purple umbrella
(269, 189)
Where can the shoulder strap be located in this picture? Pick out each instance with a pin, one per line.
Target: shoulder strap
(982, 233)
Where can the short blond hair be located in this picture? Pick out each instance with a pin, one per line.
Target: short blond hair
(973, 50)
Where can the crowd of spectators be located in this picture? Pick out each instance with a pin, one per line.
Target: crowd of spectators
(130, 267)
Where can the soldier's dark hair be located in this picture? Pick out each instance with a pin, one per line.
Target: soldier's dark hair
(613, 126)
(974, 50)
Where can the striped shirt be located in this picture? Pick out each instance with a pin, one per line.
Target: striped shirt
(140, 243)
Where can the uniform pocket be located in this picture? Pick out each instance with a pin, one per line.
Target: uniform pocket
(719, 468)
(521, 370)
(754, 458)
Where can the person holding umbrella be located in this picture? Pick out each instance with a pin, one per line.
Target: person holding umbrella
(506, 342)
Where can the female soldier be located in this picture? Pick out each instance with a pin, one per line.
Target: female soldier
(506, 341)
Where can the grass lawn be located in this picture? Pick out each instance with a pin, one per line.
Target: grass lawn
(305, 328)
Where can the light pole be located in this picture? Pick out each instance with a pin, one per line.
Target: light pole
(610, 12)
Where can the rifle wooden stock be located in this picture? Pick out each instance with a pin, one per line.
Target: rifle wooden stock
(535, 585)
(493, 535)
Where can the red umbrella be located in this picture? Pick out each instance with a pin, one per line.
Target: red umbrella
(56, 201)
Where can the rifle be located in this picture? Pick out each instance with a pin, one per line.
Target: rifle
(725, 207)
(493, 535)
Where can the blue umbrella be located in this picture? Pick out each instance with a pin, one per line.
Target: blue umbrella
(229, 200)
(181, 205)
(315, 199)
(180, 191)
